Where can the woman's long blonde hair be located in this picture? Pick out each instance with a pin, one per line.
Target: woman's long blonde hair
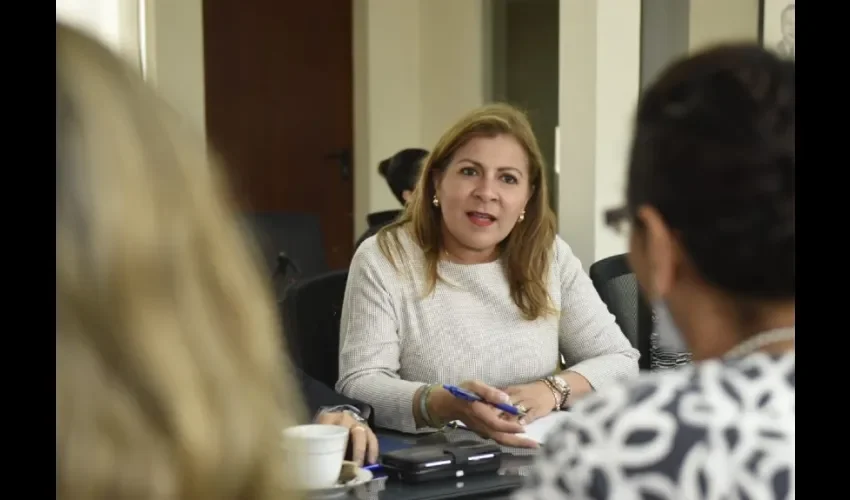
(169, 362)
(526, 252)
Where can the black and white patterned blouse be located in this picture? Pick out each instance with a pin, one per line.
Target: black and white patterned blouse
(712, 430)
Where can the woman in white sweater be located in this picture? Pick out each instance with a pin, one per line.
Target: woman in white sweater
(472, 286)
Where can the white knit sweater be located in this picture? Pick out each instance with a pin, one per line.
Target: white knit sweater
(394, 338)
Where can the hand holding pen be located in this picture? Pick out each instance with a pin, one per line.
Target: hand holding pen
(481, 408)
(470, 396)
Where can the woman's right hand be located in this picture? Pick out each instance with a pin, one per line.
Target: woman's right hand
(482, 418)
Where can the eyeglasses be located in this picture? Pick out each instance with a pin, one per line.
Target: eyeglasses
(618, 219)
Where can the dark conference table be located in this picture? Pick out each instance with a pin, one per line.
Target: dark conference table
(516, 463)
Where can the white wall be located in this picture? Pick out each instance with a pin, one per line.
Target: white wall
(162, 38)
(418, 66)
(173, 51)
(599, 82)
(113, 22)
(453, 69)
(715, 21)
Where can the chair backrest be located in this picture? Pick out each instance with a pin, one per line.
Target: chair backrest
(311, 310)
(617, 286)
(298, 235)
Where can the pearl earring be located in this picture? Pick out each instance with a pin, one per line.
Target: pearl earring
(522, 216)
(435, 201)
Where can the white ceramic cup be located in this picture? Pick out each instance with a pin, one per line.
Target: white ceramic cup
(314, 454)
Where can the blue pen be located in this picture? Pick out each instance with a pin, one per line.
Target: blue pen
(372, 467)
(471, 396)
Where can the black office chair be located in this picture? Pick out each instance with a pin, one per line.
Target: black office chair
(297, 235)
(311, 310)
(616, 284)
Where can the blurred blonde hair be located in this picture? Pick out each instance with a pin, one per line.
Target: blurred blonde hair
(169, 362)
(526, 252)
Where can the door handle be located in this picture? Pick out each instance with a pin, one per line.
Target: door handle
(343, 159)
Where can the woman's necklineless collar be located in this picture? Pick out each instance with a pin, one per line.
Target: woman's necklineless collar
(447, 257)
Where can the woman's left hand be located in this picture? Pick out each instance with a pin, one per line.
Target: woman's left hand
(364, 443)
(536, 398)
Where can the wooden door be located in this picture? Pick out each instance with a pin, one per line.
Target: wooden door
(279, 108)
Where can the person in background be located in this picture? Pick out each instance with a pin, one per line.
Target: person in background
(472, 286)
(401, 172)
(711, 205)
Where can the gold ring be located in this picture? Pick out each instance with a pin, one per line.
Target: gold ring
(521, 407)
(358, 428)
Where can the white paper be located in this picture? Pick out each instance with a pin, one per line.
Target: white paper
(539, 429)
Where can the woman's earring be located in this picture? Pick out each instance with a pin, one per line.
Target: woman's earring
(522, 216)
(435, 201)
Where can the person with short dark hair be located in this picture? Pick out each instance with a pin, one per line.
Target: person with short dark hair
(710, 203)
(401, 171)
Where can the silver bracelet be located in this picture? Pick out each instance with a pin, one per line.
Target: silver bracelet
(423, 405)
